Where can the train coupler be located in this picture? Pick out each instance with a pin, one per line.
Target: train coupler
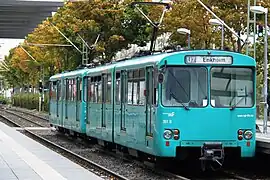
(212, 153)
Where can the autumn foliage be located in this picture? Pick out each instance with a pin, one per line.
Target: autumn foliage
(118, 25)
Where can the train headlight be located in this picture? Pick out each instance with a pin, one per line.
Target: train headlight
(248, 134)
(167, 134)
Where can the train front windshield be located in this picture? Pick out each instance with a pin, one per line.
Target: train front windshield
(185, 86)
(188, 86)
(232, 87)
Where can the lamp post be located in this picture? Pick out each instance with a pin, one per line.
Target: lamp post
(262, 10)
(185, 31)
(216, 22)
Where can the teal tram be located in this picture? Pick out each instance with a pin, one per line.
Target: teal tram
(194, 103)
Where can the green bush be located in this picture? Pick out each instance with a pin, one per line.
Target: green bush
(46, 102)
(29, 100)
(4, 100)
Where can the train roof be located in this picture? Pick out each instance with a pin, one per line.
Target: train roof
(69, 74)
(175, 57)
(156, 59)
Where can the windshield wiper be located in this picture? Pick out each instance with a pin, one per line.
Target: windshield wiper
(234, 106)
(173, 95)
(178, 83)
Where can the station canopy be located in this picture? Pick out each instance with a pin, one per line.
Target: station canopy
(19, 17)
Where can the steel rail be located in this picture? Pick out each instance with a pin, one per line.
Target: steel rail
(26, 112)
(14, 114)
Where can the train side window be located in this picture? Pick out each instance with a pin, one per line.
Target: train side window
(99, 89)
(141, 87)
(85, 87)
(74, 94)
(79, 89)
(108, 89)
(52, 91)
(58, 91)
(155, 89)
(123, 86)
(95, 90)
(51, 88)
(69, 90)
(130, 87)
(118, 89)
(104, 88)
(89, 90)
(135, 90)
(64, 90)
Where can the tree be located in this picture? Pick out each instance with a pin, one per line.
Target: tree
(117, 24)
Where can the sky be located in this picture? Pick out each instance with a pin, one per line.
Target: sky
(6, 45)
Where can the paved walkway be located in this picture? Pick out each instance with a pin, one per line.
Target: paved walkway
(22, 158)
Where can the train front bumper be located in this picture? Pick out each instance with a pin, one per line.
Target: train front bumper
(175, 148)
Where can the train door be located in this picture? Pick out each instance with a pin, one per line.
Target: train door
(150, 102)
(106, 102)
(123, 99)
(78, 98)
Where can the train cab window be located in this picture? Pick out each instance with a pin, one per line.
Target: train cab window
(118, 89)
(232, 86)
(185, 86)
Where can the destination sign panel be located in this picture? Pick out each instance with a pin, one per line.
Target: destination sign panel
(196, 59)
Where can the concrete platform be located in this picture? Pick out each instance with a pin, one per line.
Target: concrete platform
(22, 158)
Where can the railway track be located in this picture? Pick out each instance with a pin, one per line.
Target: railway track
(92, 165)
(26, 122)
(143, 165)
(24, 112)
(102, 171)
(234, 176)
